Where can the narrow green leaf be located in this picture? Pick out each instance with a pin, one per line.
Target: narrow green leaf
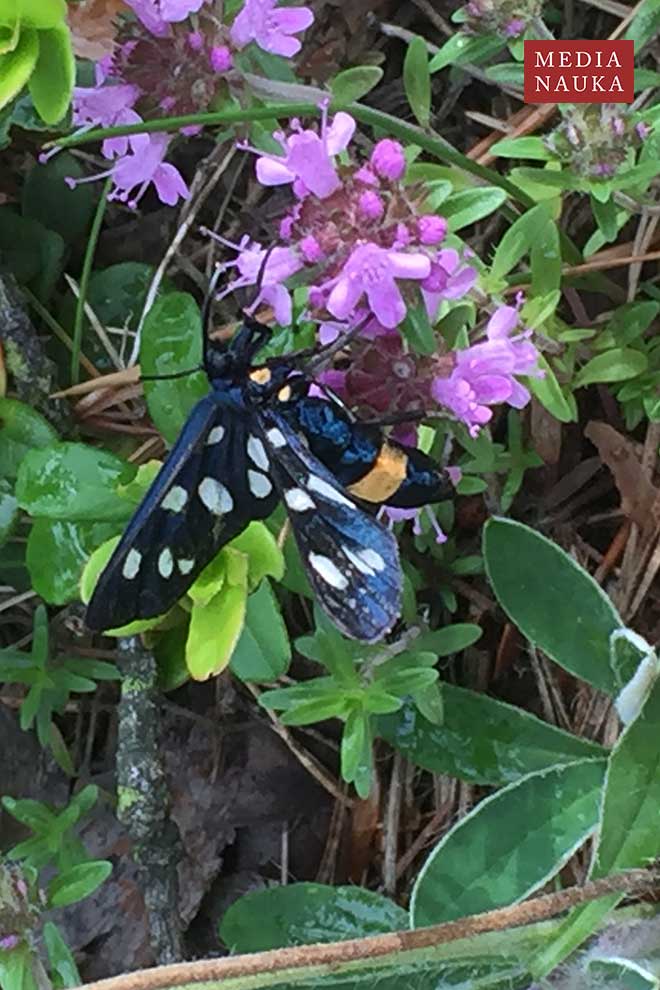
(546, 259)
(307, 913)
(523, 147)
(60, 957)
(480, 739)
(51, 82)
(555, 603)
(172, 342)
(78, 882)
(645, 25)
(16, 66)
(417, 80)
(464, 208)
(464, 48)
(417, 330)
(549, 393)
(605, 215)
(517, 241)
(617, 365)
(354, 83)
(510, 844)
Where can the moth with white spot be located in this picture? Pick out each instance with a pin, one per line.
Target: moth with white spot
(236, 457)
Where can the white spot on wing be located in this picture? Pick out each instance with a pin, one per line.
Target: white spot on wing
(328, 571)
(185, 565)
(215, 436)
(259, 484)
(215, 497)
(358, 562)
(257, 453)
(176, 499)
(298, 500)
(372, 559)
(166, 563)
(317, 484)
(131, 564)
(276, 437)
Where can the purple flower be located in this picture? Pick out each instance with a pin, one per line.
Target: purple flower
(157, 15)
(387, 159)
(642, 131)
(308, 156)
(281, 264)
(270, 29)
(431, 229)
(449, 278)
(483, 375)
(106, 105)
(220, 58)
(371, 205)
(395, 515)
(8, 942)
(139, 168)
(514, 27)
(373, 270)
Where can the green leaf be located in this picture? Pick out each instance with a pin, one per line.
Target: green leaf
(557, 179)
(555, 603)
(450, 639)
(30, 251)
(265, 559)
(464, 48)
(172, 342)
(481, 740)
(617, 365)
(51, 82)
(8, 510)
(549, 393)
(36, 815)
(78, 882)
(16, 66)
(418, 331)
(37, 13)
(57, 551)
(510, 845)
(21, 430)
(508, 73)
(356, 751)
(354, 83)
(546, 259)
(263, 653)
(522, 147)
(645, 25)
(518, 241)
(630, 321)
(73, 481)
(417, 80)
(464, 208)
(628, 834)
(47, 198)
(60, 958)
(215, 629)
(605, 215)
(307, 913)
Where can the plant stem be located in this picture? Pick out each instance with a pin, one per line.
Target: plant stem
(84, 282)
(395, 949)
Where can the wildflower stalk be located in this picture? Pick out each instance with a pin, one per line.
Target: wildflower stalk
(85, 276)
(406, 132)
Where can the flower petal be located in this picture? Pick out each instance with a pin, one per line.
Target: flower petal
(344, 296)
(292, 20)
(409, 265)
(502, 322)
(340, 132)
(169, 184)
(386, 302)
(271, 172)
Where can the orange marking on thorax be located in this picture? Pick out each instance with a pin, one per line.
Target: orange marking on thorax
(384, 478)
(260, 376)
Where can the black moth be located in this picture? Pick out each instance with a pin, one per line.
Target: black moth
(255, 438)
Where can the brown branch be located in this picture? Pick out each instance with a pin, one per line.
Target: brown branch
(338, 954)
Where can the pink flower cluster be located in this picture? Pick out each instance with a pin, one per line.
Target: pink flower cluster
(167, 63)
(372, 255)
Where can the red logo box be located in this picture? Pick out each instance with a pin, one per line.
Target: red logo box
(579, 71)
